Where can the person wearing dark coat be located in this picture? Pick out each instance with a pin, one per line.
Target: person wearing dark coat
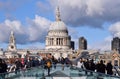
(1, 65)
(101, 67)
(54, 61)
(18, 66)
(36, 62)
(62, 62)
(91, 66)
(29, 63)
(49, 65)
(86, 65)
(109, 68)
(43, 63)
(3, 68)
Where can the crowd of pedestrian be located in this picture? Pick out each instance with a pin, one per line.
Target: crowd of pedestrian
(29, 62)
(51, 62)
(100, 66)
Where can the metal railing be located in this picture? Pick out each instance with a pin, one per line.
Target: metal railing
(69, 71)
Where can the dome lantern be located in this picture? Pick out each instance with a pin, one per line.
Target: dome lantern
(58, 14)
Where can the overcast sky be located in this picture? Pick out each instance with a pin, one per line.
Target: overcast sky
(97, 20)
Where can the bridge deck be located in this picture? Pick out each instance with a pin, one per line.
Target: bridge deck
(58, 73)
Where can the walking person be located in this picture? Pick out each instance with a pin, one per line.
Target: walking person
(54, 61)
(62, 62)
(36, 62)
(109, 68)
(18, 65)
(48, 65)
(1, 65)
(91, 66)
(3, 68)
(80, 64)
(28, 63)
(101, 67)
(86, 65)
(43, 63)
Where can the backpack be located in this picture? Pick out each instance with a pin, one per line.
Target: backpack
(48, 64)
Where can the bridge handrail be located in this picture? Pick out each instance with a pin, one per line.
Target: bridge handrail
(59, 65)
(76, 68)
(116, 70)
(21, 70)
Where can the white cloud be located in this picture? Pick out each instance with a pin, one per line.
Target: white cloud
(38, 28)
(102, 45)
(115, 29)
(14, 25)
(93, 13)
(7, 26)
(34, 31)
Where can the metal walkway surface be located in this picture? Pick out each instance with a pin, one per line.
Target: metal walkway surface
(69, 72)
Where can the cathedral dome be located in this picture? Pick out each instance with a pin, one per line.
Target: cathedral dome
(58, 37)
(58, 25)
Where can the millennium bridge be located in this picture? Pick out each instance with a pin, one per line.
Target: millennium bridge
(69, 72)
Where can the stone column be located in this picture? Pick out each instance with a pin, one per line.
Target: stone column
(50, 41)
(47, 41)
(54, 41)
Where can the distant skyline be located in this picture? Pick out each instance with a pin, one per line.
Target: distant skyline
(97, 20)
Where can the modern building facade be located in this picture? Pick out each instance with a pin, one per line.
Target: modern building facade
(115, 44)
(82, 43)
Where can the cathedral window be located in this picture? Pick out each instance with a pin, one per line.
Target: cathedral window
(12, 47)
(115, 62)
(58, 41)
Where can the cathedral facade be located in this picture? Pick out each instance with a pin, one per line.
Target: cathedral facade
(58, 40)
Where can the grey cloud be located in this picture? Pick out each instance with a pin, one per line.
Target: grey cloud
(91, 13)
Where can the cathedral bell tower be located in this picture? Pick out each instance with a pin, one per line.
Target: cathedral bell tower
(12, 44)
